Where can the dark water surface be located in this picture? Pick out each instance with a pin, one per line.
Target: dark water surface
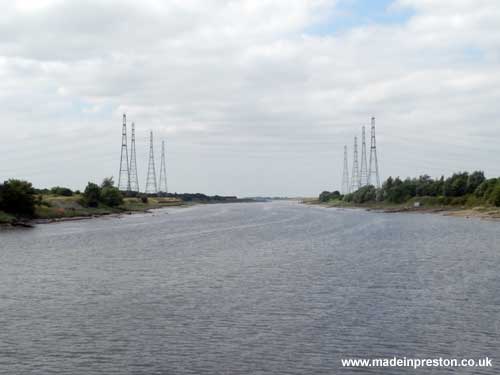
(264, 288)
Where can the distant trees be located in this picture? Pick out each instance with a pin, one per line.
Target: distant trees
(106, 194)
(64, 191)
(459, 188)
(17, 197)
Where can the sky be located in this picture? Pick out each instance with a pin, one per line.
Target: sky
(252, 97)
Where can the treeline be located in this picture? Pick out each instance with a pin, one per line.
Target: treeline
(461, 188)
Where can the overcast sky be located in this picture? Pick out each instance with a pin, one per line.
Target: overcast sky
(252, 97)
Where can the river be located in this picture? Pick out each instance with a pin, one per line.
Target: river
(249, 288)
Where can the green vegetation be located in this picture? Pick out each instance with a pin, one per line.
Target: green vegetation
(17, 198)
(106, 194)
(5, 218)
(58, 190)
(327, 196)
(20, 202)
(459, 190)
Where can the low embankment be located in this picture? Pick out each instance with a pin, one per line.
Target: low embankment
(417, 205)
(53, 208)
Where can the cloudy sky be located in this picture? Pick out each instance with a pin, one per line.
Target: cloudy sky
(253, 97)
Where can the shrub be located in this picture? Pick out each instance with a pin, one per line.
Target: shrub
(58, 190)
(365, 194)
(456, 185)
(475, 179)
(326, 196)
(144, 199)
(91, 195)
(17, 197)
(348, 197)
(485, 188)
(111, 196)
(494, 197)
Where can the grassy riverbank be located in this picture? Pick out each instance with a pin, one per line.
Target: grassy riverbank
(418, 205)
(57, 208)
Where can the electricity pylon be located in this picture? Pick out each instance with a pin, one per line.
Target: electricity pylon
(163, 171)
(134, 179)
(151, 187)
(373, 173)
(355, 168)
(363, 175)
(345, 174)
(124, 174)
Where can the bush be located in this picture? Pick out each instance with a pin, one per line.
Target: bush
(327, 196)
(365, 194)
(111, 196)
(107, 182)
(144, 199)
(17, 197)
(494, 197)
(485, 188)
(476, 178)
(58, 190)
(348, 197)
(456, 185)
(92, 195)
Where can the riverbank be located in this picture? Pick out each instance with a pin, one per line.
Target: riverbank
(479, 212)
(60, 208)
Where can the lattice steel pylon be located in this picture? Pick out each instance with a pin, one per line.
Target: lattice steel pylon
(373, 173)
(345, 174)
(355, 168)
(363, 174)
(134, 179)
(124, 174)
(163, 171)
(151, 187)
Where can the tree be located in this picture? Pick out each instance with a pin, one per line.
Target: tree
(108, 182)
(92, 195)
(494, 197)
(456, 185)
(111, 196)
(17, 197)
(485, 189)
(58, 190)
(326, 196)
(365, 194)
(476, 178)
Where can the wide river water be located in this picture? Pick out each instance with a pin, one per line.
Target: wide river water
(257, 288)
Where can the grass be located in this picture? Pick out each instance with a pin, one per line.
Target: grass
(60, 207)
(467, 206)
(57, 207)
